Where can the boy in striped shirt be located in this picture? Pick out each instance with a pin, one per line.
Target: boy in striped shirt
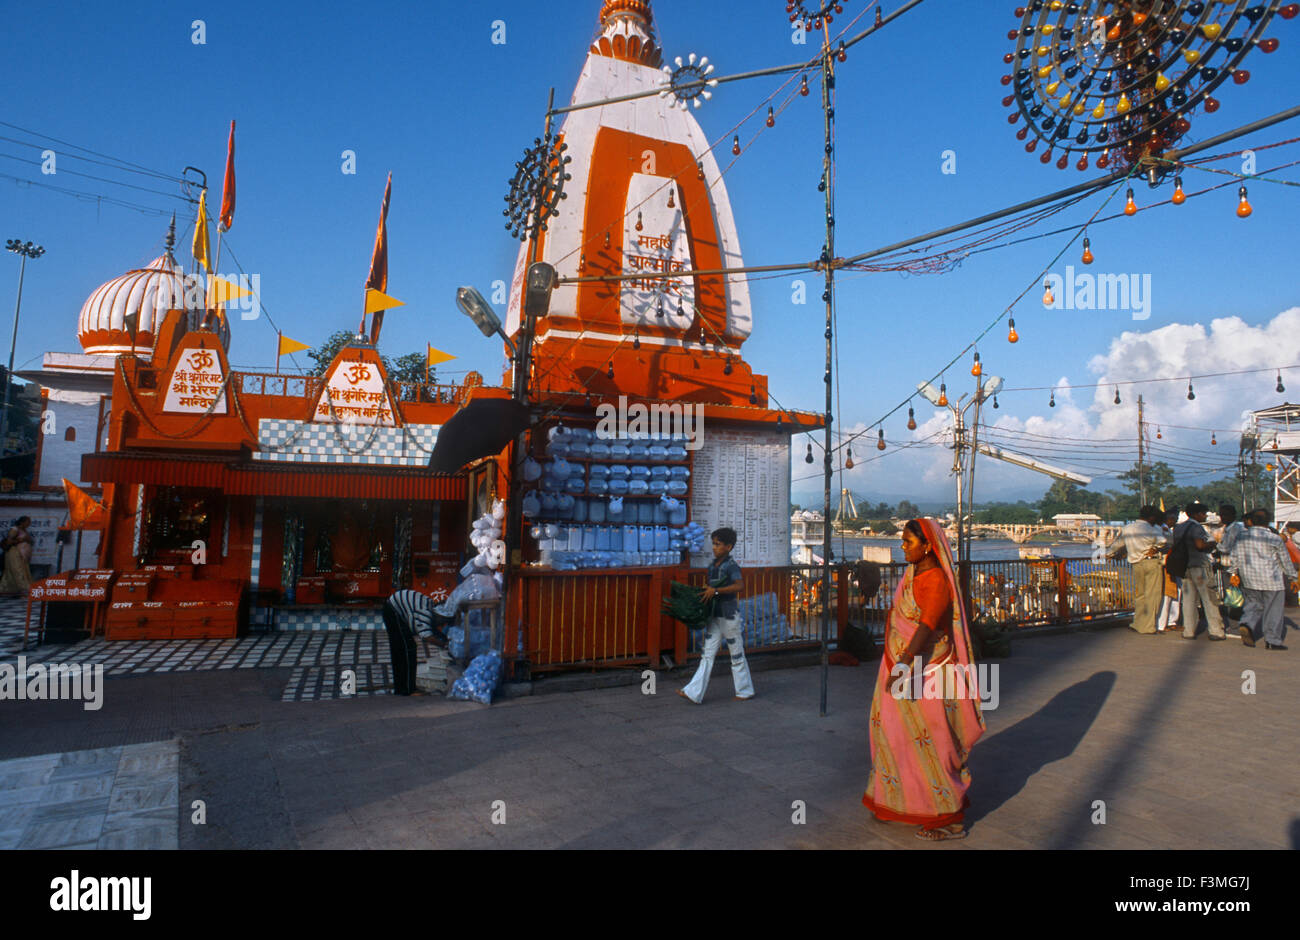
(407, 613)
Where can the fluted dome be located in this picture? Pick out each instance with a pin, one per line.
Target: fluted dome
(138, 300)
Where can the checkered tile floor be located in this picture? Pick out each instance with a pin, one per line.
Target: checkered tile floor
(318, 659)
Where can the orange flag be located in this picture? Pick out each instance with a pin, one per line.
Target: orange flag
(378, 279)
(84, 512)
(228, 190)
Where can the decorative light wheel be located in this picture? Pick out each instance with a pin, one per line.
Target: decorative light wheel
(812, 18)
(537, 187)
(689, 73)
(1120, 78)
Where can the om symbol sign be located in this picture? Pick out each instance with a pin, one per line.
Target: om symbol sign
(360, 372)
(201, 360)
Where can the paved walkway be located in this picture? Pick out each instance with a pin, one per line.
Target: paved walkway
(1155, 729)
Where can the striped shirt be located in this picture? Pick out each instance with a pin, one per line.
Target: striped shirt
(1260, 559)
(416, 608)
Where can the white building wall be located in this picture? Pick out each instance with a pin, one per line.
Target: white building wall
(62, 458)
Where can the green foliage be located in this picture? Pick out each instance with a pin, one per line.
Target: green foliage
(683, 603)
(407, 368)
(883, 527)
(908, 510)
(1020, 513)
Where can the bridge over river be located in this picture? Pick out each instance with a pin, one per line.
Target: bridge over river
(1023, 533)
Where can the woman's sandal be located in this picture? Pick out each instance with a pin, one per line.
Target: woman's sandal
(941, 834)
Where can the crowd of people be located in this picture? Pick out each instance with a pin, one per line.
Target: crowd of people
(1177, 567)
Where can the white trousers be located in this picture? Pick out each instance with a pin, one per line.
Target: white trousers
(722, 628)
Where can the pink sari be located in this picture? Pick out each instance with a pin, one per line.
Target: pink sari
(919, 747)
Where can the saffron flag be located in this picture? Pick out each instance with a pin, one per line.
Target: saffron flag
(377, 302)
(222, 291)
(290, 346)
(437, 356)
(201, 253)
(228, 188)
(378, 279)
(84, 511)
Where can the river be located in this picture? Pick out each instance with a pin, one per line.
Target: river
(850, 549)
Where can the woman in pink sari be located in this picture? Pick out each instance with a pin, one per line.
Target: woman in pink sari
(919, 744)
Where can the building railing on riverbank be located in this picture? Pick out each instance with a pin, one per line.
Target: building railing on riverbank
(609, 619)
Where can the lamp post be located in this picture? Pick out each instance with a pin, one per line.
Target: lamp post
(984, 390)
(25, 250)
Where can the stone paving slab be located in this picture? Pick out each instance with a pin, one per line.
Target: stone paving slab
(122, 797)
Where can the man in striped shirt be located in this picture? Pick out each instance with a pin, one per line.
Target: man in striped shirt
(1260, 564)
(405, 614)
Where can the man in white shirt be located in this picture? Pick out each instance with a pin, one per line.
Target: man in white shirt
(1143, 541)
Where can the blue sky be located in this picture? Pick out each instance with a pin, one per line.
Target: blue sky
(421, 90)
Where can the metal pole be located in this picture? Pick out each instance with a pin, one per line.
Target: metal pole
(9, 376)
(958, 451)
(974, 456)
(1142, 483)
(828, 81)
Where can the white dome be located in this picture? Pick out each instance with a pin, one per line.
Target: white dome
(144, 295)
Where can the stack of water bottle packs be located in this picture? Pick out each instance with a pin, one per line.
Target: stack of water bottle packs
(609, 504)
(762, 621)
(480, 680)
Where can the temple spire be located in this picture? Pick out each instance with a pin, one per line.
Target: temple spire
(171, 237)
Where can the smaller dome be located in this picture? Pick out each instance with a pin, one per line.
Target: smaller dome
(124, 315)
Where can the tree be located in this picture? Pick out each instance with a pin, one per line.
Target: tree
(908, 510)
(407, 368)
(1158, 477)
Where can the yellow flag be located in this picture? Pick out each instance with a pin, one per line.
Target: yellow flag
(377, 300)
(1162, 504)
(201, 253)
(222, 291)
(437, 356)
(291, 346)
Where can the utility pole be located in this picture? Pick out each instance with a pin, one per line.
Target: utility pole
(1142, 479)
(26, 250)
(828, 254)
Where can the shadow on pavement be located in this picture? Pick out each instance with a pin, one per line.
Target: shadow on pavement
(1011, 757)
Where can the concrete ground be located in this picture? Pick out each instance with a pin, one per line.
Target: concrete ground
(1160, 734)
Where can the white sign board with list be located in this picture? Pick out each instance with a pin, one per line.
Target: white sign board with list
(741, 479)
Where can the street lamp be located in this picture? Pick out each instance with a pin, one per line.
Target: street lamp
(25, 250)
(984, 390)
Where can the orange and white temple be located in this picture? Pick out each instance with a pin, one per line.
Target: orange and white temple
(247, 501)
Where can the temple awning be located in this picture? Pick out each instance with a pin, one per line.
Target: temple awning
(236, 478)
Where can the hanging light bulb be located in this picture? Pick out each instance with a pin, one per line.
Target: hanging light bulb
(660, 312)
(699, 169)
(1012, 335)
(1117, 394)
(735, 145)
(1087, 251)
(842, 54)
(636, 340)
(607, 239)
(639, 226)
(1051, 401)
(880, 440)
(808, 457)
(771, 118)
(778, 421)
(671, 203)
(995, 401)
(1130, 207)
(803, 89)
(1213, 442)
(1179, 196)
(977, 370)
(1158, 434)
(1191, 395)
(1243, 207)
(1280, 387)
(848, 463)
(1269, 467)
(726, 369)
(943, 395)
(610, 371)
(1048, 298)
(753, 400)
(911, 419)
